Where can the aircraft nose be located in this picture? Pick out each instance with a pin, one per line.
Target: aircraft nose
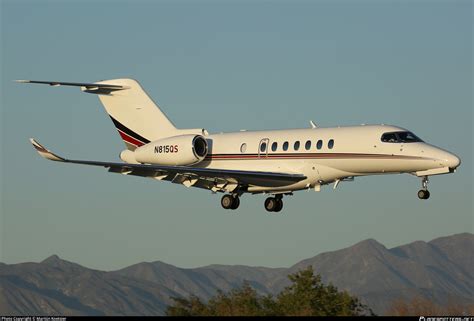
(452, 161)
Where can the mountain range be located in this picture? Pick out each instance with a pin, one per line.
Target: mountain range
(440, 270)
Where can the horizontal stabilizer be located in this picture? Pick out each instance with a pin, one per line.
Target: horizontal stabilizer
(93, 88)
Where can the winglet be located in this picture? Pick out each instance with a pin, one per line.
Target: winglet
(45, 153)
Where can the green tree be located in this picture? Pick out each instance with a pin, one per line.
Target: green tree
(305, 296)
(308, 296)
(192, 306)
(243, 301)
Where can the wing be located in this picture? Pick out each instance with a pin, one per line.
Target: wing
(208, 178)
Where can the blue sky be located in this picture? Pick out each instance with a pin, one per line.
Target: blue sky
(225, 66)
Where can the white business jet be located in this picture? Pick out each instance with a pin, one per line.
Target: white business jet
(274, 162)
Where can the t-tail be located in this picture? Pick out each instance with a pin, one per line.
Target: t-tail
(135, 115)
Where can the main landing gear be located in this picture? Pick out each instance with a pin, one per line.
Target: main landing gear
(274, 204)
(424, 194)
(230, 202)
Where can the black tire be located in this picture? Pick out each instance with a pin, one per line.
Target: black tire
(271, 204)
(227, 201)
(235, 203)
(427, 195)
(279, 205)
(423, 194)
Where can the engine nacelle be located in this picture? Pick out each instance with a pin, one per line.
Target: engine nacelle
(176, 151)
(128, 157)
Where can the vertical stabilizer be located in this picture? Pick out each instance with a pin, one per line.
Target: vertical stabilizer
(137, 118)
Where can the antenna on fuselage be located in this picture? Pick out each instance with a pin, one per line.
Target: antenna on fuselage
(313, 125)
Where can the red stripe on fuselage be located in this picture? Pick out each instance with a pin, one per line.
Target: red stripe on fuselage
(309, 156)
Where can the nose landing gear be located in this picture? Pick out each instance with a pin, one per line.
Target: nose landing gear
(424, 194)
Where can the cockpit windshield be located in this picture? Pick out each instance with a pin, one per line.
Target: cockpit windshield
(400, 137)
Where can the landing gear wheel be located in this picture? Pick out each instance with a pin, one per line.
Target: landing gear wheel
(279, 205)
(271, 204)
(227, 201)
(235, 203)
(274, 204)
(230, 202)
(423, 194)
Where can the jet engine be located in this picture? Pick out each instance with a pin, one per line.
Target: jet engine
(128, 157)
(180, 150)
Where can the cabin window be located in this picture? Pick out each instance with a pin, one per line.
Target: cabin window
(400, 137)
(308, 145)
(243, 148)
(331, 143)
(274, 146)
(263, 147)
(296, 146)
(319, 144)
(285, 146)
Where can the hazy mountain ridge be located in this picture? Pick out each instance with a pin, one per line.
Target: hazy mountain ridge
(376, 274)
(55, 286)
(440, 270)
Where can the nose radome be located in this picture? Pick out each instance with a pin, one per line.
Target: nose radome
(452, 161)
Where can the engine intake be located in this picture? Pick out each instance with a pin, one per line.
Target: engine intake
(180, 150)
(199, 146)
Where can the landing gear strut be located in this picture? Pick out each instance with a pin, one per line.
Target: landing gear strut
(231, 202)
(274, 204)
(424, 194)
